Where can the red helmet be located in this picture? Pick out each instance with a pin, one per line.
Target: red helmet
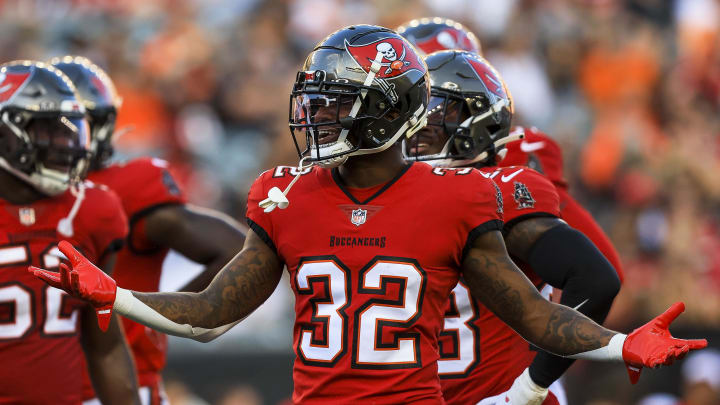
(439, 34)
(538, 151)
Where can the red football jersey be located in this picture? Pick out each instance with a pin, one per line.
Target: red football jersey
(143, 185)
(537, 151)
(541, 152)
(481, 355)
(39, 325)
(372, 270)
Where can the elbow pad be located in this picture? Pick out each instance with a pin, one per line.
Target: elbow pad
(132, 308)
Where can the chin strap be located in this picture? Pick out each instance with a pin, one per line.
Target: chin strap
(277, 198)
(65, 225)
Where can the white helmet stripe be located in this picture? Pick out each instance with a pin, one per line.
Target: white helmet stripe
(374, 68)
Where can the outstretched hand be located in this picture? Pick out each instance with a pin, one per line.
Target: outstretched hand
(652, 345)
(83, 280)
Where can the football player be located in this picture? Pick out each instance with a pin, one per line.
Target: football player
(536, 150)
(44, 141)
(469, 117)
(373, 245)
(159, 220)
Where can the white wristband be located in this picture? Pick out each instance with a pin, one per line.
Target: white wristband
(130, 307)
(611, 352)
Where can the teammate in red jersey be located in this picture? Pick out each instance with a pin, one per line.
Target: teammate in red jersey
(536, 150)
(470, 115)
(159, 220)
(371, 257)
(43, 331)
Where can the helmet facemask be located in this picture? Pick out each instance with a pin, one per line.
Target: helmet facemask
(461, 126)
(331, 114)
(48, 151)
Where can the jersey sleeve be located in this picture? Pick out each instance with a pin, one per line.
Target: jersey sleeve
(156, 189)
(484, 211)
(258, 220)
(107, 224)
(526, 193)
(156, 186)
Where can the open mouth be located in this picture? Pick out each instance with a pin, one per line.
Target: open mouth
(327, 136)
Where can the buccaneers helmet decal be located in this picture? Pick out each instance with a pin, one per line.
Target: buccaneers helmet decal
(449, 38)
(429, 35)
(488, 75)
(396, 57)
(10, 83)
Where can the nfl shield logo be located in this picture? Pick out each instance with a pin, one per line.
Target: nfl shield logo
(358, 216)
(27, 216)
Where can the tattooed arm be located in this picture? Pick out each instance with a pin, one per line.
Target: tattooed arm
(240, 287)
(237, 290)
(495, 280)
(566, 259)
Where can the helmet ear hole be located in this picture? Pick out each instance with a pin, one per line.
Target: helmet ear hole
(464, 144)
(19, 120)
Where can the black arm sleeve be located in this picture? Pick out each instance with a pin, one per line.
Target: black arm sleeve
(566, 259)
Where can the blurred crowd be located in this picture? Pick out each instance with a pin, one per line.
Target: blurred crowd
(630, 88)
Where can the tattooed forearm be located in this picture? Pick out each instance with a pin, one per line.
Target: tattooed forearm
(495, 280)
(240, 287)
(523, 235)
(496, 293)
(573, 332)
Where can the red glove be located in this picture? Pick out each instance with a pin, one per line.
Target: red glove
(651, 345)
(84, 281)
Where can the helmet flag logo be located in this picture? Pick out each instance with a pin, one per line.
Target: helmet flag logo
(449, 38)
(10, 83)
(100, 86)
(397, 59)
(488, 76)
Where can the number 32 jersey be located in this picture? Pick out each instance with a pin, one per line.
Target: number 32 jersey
(39, 325)
(372, 270)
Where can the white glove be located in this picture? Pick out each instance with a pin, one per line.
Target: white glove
(524, 391)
